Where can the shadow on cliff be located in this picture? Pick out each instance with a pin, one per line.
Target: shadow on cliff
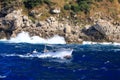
(93, 35)
(5, 34)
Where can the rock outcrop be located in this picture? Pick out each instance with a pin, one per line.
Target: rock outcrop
(91, 34)
(103, 30)
(15, 22)
(112, 32)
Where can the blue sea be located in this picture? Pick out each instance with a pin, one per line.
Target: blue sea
(88, 62)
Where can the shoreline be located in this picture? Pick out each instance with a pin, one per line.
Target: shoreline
(101, 31)
(52, 40)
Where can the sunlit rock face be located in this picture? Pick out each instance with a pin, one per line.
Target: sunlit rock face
(109, 30)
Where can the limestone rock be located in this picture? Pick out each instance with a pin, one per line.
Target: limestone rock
(67, 28)
(56, 10)
(106, 28)
(41, 23)
(103, 30)
(25, 18)
(16, 17)
(35, 13)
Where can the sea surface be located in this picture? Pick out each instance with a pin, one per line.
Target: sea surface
(88, 62)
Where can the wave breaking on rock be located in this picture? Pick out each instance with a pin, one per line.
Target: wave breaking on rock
(24, 37)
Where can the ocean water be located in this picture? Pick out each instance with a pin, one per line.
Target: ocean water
(88, 62)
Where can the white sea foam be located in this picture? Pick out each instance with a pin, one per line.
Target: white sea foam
(24, 37)
(2, 76)
(58, 54)
(89, 42)
(116, 43)
(102, 43)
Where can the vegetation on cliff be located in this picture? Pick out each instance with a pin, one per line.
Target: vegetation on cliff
(33, 3)
(78, 10)
(82, 8)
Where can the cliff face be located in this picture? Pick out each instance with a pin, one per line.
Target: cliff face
(15, 22)
(100, 23)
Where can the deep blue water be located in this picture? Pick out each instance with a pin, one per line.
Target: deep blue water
(89, 62)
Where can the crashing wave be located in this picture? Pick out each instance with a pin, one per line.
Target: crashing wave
(24, 37)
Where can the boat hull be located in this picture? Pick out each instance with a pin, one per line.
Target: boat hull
(61, 53)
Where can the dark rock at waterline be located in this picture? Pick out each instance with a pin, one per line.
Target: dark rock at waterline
(5, 34)
(91, 34)
(2, 34)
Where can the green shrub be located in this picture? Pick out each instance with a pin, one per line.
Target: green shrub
(75, 8)
(82, 5)
(32, 3)
(6, 3)
(111, 0)
(67, 7)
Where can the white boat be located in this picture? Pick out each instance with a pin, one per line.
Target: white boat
(59, 53)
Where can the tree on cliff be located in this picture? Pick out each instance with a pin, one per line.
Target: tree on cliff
(32, 3)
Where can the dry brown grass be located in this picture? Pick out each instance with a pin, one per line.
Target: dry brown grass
(98, 9)
(105, 9)
(59, 3)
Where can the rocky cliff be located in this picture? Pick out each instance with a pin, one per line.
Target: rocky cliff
(97, 27)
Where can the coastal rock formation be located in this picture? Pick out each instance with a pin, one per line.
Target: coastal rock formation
(15, 22)
(109, 30)
(103, 30)
(91, 34)
(104, 27)
(16, 18)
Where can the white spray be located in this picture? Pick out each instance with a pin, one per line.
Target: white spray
(24, 37)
